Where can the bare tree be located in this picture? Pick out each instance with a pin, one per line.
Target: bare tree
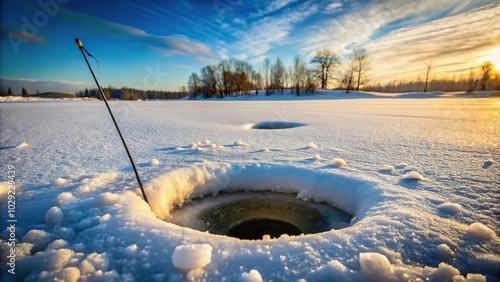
(487, 70)
(348, 74)
(428, 69)
(362, 64)
(226, 69)
(194, 85)
(278, 75)
(298, 74)
(471, 81)
(327, 60)
(267, 69)
(257, 81)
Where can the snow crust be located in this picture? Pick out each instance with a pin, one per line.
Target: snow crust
(81, 215)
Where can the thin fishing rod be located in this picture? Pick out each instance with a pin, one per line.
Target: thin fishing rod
(80, 45)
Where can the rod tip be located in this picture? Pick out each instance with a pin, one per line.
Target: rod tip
(78, 42)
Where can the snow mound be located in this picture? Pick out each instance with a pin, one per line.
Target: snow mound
(338, 162)
(376, 266)
(413, 175)
(444, 252)
(22, 146)
(64, 198)
(97, 181)
(39, 238)
(252, 276)
(106, 199)
(54, 216)
(154, 162)
(240, 143)
(187, 257)
(481, 232)
(387, 169)
(312, 146)
(450, 208)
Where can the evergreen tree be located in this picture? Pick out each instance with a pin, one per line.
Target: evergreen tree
(24, 92)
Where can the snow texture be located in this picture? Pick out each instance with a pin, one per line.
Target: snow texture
(192, 256)
(252, 276)
(80, 214)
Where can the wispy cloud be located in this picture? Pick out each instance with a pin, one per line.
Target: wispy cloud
(361, 23)
(166, 45)
(422, 31)
(27, 37)
(273, 6)
(333, 7)
(271, 31)
(449, 42)
(206, 61)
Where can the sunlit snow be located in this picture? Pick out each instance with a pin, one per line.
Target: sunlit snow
(418, 177)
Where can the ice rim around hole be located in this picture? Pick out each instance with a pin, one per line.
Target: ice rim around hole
(177, 188)
(257, 215)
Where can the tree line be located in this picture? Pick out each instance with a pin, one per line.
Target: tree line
(231, 78)
(126, 93)
(9, 92)
(482, 78)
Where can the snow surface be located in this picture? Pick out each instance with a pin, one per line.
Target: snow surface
(80, 214)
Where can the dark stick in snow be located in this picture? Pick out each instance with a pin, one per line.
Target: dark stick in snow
(80, 45)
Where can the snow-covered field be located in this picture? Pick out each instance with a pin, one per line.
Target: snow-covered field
(420, 177)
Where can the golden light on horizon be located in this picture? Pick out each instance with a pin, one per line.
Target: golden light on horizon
(494, 57)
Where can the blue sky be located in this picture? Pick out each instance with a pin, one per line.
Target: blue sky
(157, 44)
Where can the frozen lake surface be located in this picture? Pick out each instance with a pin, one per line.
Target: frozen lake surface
(420, 177)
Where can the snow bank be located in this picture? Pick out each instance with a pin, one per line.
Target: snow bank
(192, 256)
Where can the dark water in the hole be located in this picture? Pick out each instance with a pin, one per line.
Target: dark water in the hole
(276, 125)
(260, 213)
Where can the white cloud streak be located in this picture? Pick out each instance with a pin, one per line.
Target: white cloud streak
(166, 45)
(271, 31)
(449, 42)
(404, 51)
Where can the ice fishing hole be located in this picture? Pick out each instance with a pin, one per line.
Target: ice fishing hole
(252, 215)
(276, 125)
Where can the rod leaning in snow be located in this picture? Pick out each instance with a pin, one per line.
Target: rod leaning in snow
(11, 219)
(83, 50)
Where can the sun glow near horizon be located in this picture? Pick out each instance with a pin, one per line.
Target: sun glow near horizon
(494, 57)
